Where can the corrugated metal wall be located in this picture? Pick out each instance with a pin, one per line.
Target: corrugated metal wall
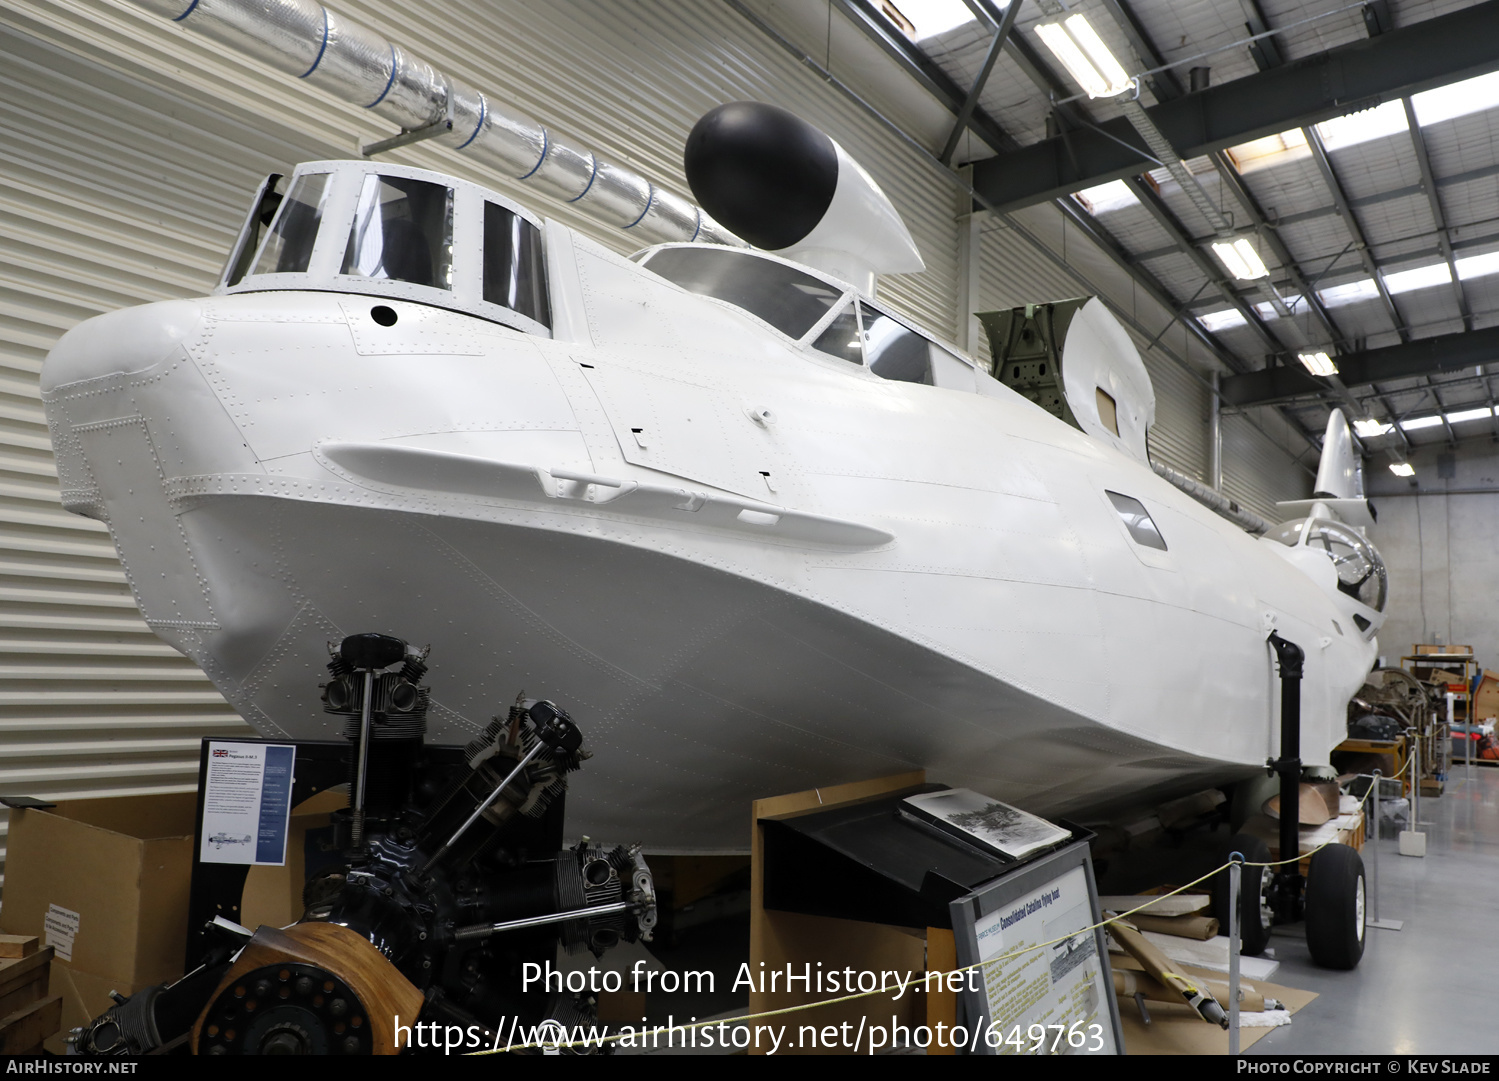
(128, 149)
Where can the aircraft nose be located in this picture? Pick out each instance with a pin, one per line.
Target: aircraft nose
(119, 343)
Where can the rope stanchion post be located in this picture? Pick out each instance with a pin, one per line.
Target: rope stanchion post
(1371, 841)
(1412, 840)
(1235, 864)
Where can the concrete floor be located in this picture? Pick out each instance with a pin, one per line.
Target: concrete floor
(1428, 988)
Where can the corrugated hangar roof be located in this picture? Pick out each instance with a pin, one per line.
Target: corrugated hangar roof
(1372, 202)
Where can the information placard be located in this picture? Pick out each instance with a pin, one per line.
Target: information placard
(247, 802)
(1051, 992)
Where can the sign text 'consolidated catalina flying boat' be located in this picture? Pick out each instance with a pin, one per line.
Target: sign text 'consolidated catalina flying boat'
(758, 531)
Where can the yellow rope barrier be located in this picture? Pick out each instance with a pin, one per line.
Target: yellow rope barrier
(645, 1034)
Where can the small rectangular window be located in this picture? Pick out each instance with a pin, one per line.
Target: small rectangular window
(514, 274)
(1137, 520)
(1108, 412)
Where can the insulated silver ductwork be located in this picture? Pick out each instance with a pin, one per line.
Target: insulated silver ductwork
(1214, 501)
(357, 65)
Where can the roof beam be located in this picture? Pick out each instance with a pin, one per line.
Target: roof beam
(1355, 231)
(1158, 210)
(960, 125)
(1439, 219)
(925, 71)
(1359, 75)
(1424, 357)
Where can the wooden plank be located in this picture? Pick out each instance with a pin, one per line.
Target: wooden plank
(24, 1029)
(22, 970)
(18, 945)
(32, 990)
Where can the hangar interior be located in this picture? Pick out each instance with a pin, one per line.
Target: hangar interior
(1291, 210)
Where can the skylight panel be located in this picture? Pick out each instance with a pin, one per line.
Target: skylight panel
(1477, 266)
(1213, 322)
(1349, 292)
(1267, 310)
(1481, 413)
(1415, 424)
(1386, 119)
(1271, 150)
(1102, 198)
(1369, 428)
(1457, 99)
(922, 19)
(1422, 277)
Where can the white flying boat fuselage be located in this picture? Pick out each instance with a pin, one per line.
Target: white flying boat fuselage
(744, 561)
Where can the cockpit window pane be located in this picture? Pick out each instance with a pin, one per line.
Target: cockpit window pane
(403, 231)
(1288, 533)
(1137, 520)
(288, 247)
(787, 299)
(895, 352)
(514, 274)
(1361, 571)
(841, 338)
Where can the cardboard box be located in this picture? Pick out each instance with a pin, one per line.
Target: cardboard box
(273, 895)
(1486, 699)
(113, 874)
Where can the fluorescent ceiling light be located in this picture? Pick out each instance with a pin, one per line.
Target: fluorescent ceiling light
(1242, 261)
(922, 19)
(1213, 322)
(1318, 363)
(1386, 119)
(1368, 428)
(1102, 198)
(1083, 33)
(1458, 99)
(1476, 266)
(1483, 412)
(1403, 469)
(1087, 59)
(1415, 424)
(1422, 277)
(1349, 293)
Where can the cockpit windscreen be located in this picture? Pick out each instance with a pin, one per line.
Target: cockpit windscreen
(403, 231)
(787, 299)
(288, 247)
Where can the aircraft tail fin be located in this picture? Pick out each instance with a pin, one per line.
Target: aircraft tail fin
(1340, 481)
(1338, 473)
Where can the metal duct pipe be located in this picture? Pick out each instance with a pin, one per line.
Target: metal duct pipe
(1214, 501)
(357, 65)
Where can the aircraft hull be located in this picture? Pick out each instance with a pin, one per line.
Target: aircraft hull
(881, 577)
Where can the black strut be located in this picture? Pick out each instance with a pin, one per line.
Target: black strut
(1288, 765)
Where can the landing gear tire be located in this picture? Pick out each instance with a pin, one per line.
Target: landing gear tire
(1254, 895)
(1335, 907)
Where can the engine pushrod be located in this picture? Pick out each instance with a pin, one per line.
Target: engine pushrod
(484, 930)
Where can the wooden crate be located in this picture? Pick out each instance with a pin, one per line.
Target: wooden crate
(28, 1015)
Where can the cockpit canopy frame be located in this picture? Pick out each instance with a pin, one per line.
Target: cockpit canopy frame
(381, 230)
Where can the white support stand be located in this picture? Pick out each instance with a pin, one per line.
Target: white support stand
(1372, 843)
